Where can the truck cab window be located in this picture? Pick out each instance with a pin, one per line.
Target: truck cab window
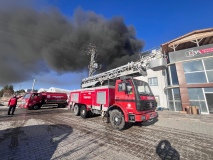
(119, 87)
(32, 97)
(143, 87)
(129, 88)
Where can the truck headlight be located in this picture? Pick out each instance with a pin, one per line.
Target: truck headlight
(143, 118)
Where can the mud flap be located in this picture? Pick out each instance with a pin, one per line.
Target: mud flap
(105, 117)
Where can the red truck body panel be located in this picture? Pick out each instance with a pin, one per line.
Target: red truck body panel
(32, 99)
(96, 97)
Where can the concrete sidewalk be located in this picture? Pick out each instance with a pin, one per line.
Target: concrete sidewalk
(202, 124)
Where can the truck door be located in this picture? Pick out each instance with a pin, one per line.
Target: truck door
(35, 98)
(126, 98)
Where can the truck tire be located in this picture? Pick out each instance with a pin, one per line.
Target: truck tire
(117, 119)
(76, 110)
(83, 111)
(36, 107)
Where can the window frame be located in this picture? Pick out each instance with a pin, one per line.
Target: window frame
(203, 71)
(151, 79)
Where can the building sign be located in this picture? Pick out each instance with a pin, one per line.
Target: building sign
(192, 53)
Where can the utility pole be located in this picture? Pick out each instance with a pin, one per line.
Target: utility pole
(93, 66)
(20, 87)
(33, 85)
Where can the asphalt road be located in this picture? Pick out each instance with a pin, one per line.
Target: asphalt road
(52, 133)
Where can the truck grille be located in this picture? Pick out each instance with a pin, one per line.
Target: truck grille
(150, 104)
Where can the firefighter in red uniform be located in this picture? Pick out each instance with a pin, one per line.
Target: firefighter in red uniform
(12, 104)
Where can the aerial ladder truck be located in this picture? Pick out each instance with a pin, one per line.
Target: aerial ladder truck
(118, 95)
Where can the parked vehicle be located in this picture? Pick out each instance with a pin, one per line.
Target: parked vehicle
(37, 100)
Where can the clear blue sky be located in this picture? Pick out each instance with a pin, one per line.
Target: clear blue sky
(155, 22)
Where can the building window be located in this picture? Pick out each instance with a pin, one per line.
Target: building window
(174, 99)
(208, 90)
(194, 72)
(196, 77)
(208, 63)
(209, 75)
(193, 66)
(200, 71)
(174, 78)
(153, 81)
(196, 98)
(167, 77)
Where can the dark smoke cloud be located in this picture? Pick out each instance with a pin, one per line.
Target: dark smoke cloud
(34, 42)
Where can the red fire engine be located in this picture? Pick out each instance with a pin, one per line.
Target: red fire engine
(118, 95)
(36, 100)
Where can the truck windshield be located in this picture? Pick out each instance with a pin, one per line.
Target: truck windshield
(27, 96)
(142, 87)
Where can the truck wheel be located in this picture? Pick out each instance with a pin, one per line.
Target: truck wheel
(76, 110)
(117, 119)
(36, 107)
(83, 112)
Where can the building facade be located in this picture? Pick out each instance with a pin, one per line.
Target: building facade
(190, 71)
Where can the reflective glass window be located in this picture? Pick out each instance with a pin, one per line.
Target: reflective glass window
(193, 66)
(174, 103)
(196, 77)
(171, 106)
(178, 106)
(176, 92)
(195, 94)
(168, 78)
(208, 89)
(174, 75)
(210, 75)
(170, 94)
(208, 62)
(200, 104)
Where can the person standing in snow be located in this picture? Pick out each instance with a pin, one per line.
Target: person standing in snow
(12, 104)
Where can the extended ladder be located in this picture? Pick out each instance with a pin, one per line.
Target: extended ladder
(155, 61)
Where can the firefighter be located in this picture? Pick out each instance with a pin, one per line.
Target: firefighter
(12, 104)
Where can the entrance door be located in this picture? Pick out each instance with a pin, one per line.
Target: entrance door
(209, 99)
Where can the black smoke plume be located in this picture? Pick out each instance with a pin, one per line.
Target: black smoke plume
(33, 42)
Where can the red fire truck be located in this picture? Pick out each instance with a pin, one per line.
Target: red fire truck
(37, 100)
(118, 95)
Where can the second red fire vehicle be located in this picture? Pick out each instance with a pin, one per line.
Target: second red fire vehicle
(37, 100)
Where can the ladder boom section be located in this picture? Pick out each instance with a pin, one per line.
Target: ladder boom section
(139, 67)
